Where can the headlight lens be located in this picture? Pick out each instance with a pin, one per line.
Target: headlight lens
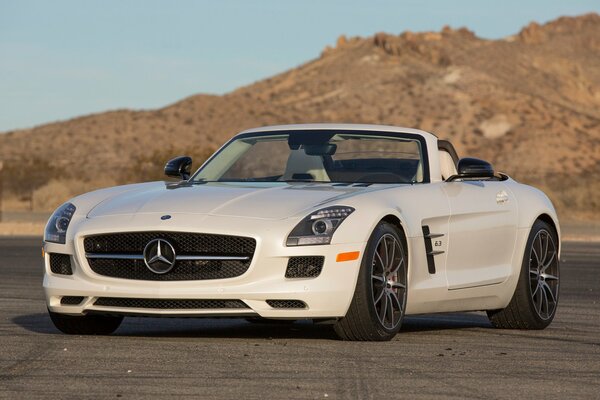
(318, 227)
(56, 229)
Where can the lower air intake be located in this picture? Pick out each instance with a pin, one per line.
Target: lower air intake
(304, 267)
(71, 300)
(169, 304)
(60, 264)
(286, 303)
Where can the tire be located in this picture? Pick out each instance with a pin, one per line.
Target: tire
(535, 300)
(85, 325)
(381, 287)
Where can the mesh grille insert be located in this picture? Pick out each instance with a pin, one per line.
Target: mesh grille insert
(71, 300)
(304, 267)
(169, 304)
(286, 303)
(60, 264)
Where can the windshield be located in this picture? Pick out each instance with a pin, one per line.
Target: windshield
(317, 156)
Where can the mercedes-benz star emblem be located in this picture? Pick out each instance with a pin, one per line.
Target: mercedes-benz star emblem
(159, 256)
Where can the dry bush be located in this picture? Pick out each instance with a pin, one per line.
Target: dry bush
(150, 167)
(574, 197)
(57, 191)
(22, 177)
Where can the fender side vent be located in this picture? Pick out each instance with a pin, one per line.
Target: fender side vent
(427, 236)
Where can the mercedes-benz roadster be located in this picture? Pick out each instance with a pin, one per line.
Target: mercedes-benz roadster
(356, 225)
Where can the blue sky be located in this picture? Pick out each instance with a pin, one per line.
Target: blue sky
(60, 59)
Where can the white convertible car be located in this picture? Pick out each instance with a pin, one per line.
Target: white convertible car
(356, 225)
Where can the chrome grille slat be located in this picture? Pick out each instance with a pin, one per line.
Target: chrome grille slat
(108, 256)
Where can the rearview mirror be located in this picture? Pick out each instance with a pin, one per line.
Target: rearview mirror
(179, 167)
(325, 149)
(472, 168)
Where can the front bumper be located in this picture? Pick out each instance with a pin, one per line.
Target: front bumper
(326, 296)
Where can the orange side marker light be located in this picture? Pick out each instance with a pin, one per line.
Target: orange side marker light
(350, 256)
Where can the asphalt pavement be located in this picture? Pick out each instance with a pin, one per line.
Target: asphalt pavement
(435, 356)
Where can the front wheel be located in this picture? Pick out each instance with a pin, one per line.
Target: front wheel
(86, 324)
(379, 301)
(535, 300)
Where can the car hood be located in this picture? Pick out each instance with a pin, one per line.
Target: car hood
(265, 201)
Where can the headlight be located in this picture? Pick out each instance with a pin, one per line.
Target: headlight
(56, 229)
(318, 227)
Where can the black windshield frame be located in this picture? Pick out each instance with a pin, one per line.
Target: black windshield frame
(324, 133)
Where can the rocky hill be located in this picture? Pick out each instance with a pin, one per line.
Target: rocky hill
(530, 103)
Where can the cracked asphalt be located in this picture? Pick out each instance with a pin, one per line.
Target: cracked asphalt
(435, 356)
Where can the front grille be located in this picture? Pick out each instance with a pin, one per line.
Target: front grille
(60, 264)
(185, 244)
(304, 267)
(71, 300)
(286, 303)
(169, 304)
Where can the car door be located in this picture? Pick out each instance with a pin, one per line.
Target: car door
(482, 233)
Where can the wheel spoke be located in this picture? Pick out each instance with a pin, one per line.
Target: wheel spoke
(545, 301)
(398, 285)
(540, 299)
(387, 255)
(392, 257)
(377, 299)
(537, 259)
(545, 248)
(378, 278)
(399, 264)
(383, 308)
(537, 287)
(390, 308)
(380, 260)
(548, 289)
(396, 301)
(547, 264)
(548, 277)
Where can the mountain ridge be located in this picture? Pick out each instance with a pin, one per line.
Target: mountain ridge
(529, 103)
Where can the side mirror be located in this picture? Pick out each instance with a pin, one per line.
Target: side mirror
(179, 167)
(472, 168)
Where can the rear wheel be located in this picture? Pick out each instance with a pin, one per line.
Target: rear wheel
(86, 324)
(379, 301)
(535, 300)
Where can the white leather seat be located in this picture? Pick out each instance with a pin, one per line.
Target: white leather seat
(301, 163)
(447, 166)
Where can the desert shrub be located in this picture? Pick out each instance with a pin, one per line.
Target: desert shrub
(150, 167)
(22, 177)
(57, 191)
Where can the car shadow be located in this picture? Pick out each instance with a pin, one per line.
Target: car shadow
(241, 328)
